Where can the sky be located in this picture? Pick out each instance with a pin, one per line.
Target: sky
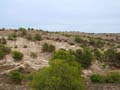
(98, 16)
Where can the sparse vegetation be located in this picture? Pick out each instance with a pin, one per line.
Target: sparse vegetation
(76, 56)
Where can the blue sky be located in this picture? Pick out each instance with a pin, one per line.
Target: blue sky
(62, 15)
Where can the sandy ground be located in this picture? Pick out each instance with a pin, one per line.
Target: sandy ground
(34, 63)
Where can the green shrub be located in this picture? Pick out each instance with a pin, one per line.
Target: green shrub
(15, 76)
(97, 78)
(37, 37)
(4, 50)
(78, 40)
(17, 55)
(48, 47)
(45, 47)
(51, 48)
(98, 55)
(113, 77)
(84, 57)
(23, 31)
(63, 55)
(58, 76)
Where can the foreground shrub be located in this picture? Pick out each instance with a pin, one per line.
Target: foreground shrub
(58, 76)
(17, 55)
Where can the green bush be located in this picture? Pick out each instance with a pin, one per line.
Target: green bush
(45, 47)
(98, 54)
(23, 31)
(37, 37)
(113, 77)
(17, 55)
(4, 50)
(15, 77)
(48, 47)
(63, 55)
(78, 40)
(97, 78)
(84, 57)
(58, 76)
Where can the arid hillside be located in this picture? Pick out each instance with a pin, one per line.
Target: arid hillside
(28, 50)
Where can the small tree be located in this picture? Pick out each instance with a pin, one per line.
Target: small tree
(17, 55)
